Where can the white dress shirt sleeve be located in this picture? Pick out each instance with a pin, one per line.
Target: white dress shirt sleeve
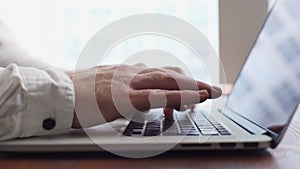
(34, 102)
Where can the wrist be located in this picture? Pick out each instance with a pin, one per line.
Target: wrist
(75, 123)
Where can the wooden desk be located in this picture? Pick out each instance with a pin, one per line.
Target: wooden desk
(286, 156)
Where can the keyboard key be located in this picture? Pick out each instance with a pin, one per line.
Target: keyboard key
(127, 132)
(170, 133)
(206, 127)
(190, 132)
(136, 125)
(180, 125)
(221, 129)
(225, 133)
(136, 132)
(193, 133)
(152, 132)
(203, 123)
(209, 132)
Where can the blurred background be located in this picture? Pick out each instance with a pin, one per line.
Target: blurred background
(56, 31)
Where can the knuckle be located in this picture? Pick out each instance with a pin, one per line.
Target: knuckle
(144, 93)
(170, 77)
(123, 66)
(157, 70)
(178, 69)
(140, 65)
(175, 69)
(159, 75)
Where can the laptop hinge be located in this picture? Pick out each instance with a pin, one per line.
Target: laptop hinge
(243, 122)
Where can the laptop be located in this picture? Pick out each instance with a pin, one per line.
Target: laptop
(256, 114)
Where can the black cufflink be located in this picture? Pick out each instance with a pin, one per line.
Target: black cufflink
(49, 124)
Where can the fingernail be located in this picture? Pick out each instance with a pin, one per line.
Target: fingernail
(203, 95)
(219, 90)
(216, 92)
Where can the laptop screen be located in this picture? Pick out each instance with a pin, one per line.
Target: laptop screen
(267, 90)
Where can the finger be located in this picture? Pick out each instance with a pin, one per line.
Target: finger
(142, 65)
(163, 80)
(166, 81)
(184, 108)
(175, 69)
(163, 70)
(192, 107)
(147, 99)
(214, 91)
(168, 112)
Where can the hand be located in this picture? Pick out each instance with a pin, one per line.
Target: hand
(145, 87)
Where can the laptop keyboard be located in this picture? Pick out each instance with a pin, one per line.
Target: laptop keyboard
(192, 124)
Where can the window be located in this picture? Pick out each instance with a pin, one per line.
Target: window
(57, 30)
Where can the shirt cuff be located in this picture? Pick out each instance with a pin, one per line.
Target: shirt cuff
(50, 102)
